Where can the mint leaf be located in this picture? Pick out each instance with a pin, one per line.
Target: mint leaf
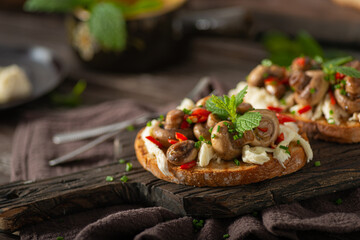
(107, 25)
(248, 121)
(348, 71)
(309, 46)
(50, 5)
(212, 107)
(240, 96)
(337, 61)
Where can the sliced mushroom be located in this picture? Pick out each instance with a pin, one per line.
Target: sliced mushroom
(223, 142)
(163, 135)
(346, 103)
(243, 108)
(202, 102)
(174, 119)
(314, 91)
(306, 64)
(277, 90)
(260, 73)
(268, 130)
(202, 129)
(182, 152)
(298, 80)
(352, 86)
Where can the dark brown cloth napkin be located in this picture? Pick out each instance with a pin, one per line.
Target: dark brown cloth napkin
(318, 218)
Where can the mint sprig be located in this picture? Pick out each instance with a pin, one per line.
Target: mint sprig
(225, 107)
(107, 25)
(50, 5)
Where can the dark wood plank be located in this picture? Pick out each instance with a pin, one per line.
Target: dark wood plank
(23, 203)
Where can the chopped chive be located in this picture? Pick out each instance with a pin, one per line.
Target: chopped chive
(187, 111)
(337, 86)
(331, 121)
(130, 128)
(148, 124)
(298, 142)
(285, 148)
(109, 179)
(198, 144)
(230, 130)
(129, 167)
(213, 136)
(266, 62)
(317, 164)
(198, 224)
(201, 138)
(189, 120)
(343, 82)
(226, 236)
(124, 179)
(292, 89)
(218, 129)
(338, 201)
(312, 90)
(210, 130)
(293, 112)
(161, 118)
(161, 125)
(282, 101)
(200, 105)
(236, 137)
(122, 161)
(331, 112)
(343, 92)
(265, 75)
(237, 162)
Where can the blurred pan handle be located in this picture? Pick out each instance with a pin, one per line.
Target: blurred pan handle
(224, 22)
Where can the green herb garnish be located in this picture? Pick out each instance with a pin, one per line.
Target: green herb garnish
(109, 179)
(148, 124)
(211, 129)
(285, 148)
(226, 236)
(237, 162)
(129, 167)
(298, 142)
(218, 129)
(317, 164)
(188, 120)
(72, 99)
(198, 144)
(338, 201)
(130, 128)
(225, 107)
(124, 179)
(161, 118)
(60, 238)
(122, 161)
(282, 101)
(187, 111)
(312, 90)
(331, 112)
(343, 92)
(198, 224)
(213, 136)
(266, 62)
(201, 138)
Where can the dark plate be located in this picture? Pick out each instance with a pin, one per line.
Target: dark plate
(42, 67)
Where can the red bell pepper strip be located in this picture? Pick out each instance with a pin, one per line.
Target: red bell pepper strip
(332, 97)
(304, 109)
(188, 165)
(262, 129)
(152, 139)
(339, 76)
(300, 61)
(172, 141)
(284, 118)
(280, 138)
(275, 109)
(180, 137)
(271, 80)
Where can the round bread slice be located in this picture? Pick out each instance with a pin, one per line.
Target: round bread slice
(223, 173)
(346, 132)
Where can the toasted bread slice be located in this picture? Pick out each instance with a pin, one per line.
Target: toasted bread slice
(225, 173)
(346, 132)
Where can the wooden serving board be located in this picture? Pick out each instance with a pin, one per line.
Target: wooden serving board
(23, 203)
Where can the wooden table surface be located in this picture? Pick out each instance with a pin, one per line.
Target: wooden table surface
(229, 60)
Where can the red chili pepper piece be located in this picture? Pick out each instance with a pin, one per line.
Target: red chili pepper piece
(185, 124)
(332, 97)
(339, 76)
(284, 81)
(180, 137)
(193, 119)
(284, 118)
(201, 114)
(304, 109)
(275, 109)
(300, 61)
(280, 138)
(172, 141)
(188, 165)
(271, 81)
(262, 129)
(152, 139)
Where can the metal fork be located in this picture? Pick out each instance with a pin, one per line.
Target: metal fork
(108, 131)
